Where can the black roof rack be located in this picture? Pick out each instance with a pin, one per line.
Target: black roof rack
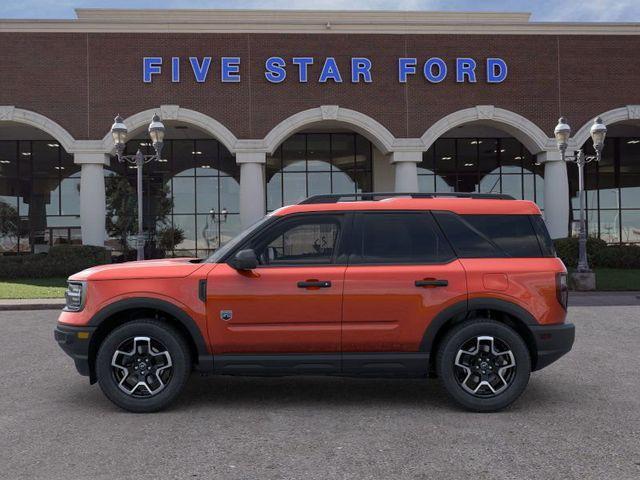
(368, 196)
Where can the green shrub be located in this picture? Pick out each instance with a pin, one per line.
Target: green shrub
(618, 256)
(567, 249)
(61, 261)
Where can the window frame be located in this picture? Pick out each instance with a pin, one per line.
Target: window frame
(280, 225)
(355, 257)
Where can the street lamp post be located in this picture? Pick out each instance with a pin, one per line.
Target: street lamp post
(119, 133)
(562, 133)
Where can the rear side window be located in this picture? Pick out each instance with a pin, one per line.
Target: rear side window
(486, 236)
(546, 244)
(400, 238)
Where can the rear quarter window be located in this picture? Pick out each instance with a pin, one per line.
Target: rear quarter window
(487, 236)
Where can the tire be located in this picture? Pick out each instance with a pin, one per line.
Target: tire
(473, 376)
(148, 346)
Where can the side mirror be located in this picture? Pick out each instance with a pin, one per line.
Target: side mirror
(244, 260)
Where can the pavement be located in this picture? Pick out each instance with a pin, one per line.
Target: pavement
(578, 419)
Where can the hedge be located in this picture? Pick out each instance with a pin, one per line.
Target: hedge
(61, 261)
(599, 254)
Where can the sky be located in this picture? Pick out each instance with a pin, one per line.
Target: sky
(542, 10)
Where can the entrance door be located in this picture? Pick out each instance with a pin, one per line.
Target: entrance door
(291, 303)
(401, 274)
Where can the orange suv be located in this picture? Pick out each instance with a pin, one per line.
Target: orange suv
(465, 287)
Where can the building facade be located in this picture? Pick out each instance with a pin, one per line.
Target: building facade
(264, 108)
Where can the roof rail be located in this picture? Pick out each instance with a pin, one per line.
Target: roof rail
(370, 196)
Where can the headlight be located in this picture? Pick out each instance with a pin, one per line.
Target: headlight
(75, 296)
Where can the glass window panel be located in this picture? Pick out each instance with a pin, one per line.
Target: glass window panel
(540, 191)
(273, 164)
(228, 164)
(188, 225)
(293, 153)
(511, 155)
(8, 159)
(630, 196)
(609, 225)
(488, 156)
(274, 192)
(66, 221)
(206, 157)
(230, 228)
(230, 194)
(467, 151)
(446, 183)
(426, 183)
(208, 232)
(59, 236)
(24, 159)
(629, 155)
(183, 195)
(490, 183)
(467, 183)
(9, 222)
(427, 165)
(183, 157)
(295, 188)
(512, 185)
(364, 181)
(207, 194)
(45, 159)
(312, 242)
(343, 182)
(70, 196)
(8, 191)
(75, 235)
(528, 192)
(45, 196)
(445, 156)
(319, 183)
(318, 152)
(363, 153)
(608, 198)
(631, 226)
(343, 150)
(67, 167)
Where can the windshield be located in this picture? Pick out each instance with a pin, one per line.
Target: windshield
(235, 241)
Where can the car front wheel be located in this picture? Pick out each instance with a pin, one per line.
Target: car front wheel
(484, 365)
(143, 365)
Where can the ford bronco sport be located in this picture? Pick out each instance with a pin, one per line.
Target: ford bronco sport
(465, 287)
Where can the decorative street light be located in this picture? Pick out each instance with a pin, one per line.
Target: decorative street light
(119, 133)
(562, 133)
(210, 230)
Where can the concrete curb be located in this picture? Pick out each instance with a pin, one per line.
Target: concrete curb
(31, 304)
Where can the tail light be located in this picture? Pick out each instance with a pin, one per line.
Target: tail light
(562, 289)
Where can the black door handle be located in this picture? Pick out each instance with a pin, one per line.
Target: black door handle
(432, 283)
(314, 284)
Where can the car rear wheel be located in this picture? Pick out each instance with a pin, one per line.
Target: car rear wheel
(484, 365)
(143, 365)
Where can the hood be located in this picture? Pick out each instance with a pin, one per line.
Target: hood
(166, 268)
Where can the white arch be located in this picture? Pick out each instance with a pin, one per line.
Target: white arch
(177, 113)
(527, 132)
(629, 112)
(9, 113)
(382, 138)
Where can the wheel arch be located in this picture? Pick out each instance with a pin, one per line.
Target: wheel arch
(503, 311)
(127, 310)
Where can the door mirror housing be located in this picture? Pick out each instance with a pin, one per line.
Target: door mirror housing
(244, 260)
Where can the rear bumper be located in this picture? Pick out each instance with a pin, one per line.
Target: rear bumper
(75, 343)
(552, 342)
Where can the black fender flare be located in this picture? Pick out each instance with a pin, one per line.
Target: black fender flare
(204, 359)
(461, 309)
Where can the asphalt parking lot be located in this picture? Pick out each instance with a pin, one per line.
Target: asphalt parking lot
(579, 418)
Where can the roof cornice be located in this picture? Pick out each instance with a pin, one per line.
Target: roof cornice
(312, 21)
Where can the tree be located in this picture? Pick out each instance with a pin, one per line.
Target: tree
(9, 221)
(122, 210)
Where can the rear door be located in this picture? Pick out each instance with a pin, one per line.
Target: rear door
(402, 272)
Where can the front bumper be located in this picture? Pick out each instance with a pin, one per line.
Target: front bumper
(75, 343)
(552, 342)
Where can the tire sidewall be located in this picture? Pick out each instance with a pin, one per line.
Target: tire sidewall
(174, 344)
(464, 332)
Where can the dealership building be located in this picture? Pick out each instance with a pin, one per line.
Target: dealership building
(264, 108)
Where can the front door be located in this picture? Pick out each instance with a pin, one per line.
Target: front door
(401, 274)
(291, 303)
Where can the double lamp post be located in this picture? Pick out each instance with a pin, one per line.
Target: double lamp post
(562, 133)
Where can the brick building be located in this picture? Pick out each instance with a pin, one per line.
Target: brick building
(264, 108)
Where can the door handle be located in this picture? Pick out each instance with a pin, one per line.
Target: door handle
(432, 283)
(314, 284)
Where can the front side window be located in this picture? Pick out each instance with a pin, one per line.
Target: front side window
(300, 242)
(400, 238)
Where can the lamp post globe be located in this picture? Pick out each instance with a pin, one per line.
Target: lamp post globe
(562, 133)
(119, 133)
(156, 132)
(598, 133)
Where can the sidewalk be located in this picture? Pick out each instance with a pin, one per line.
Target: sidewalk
(576, 299)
